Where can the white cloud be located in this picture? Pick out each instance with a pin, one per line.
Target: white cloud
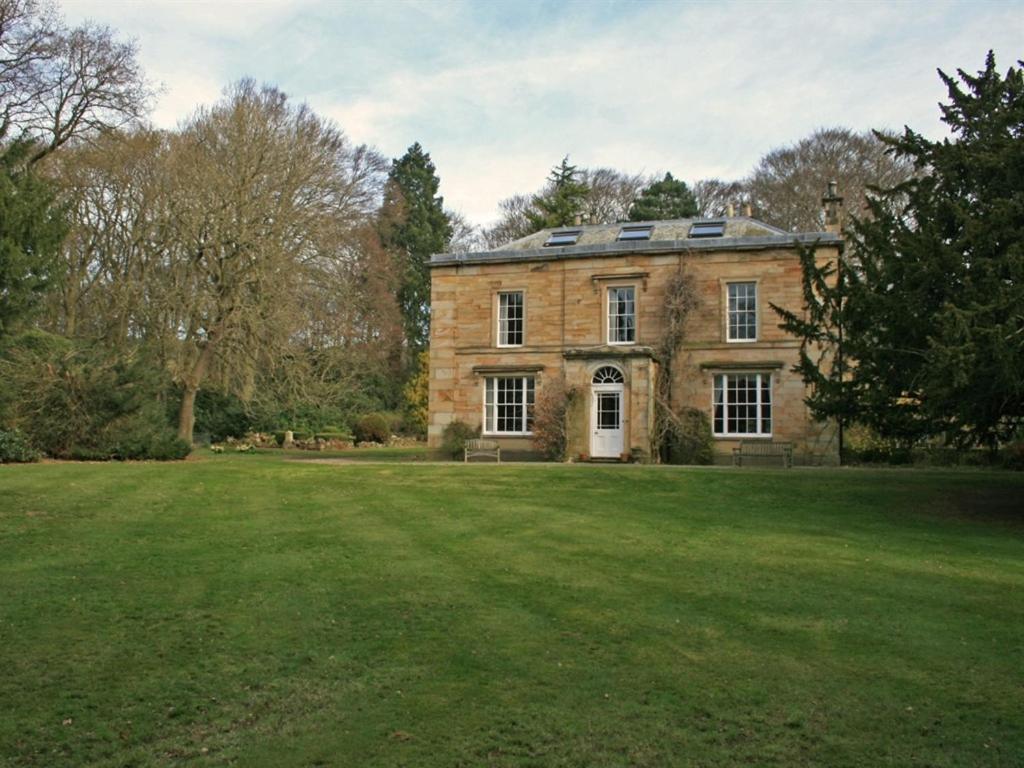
(498, 94)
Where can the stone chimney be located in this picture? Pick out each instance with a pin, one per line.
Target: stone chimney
(730, 211)
(748, 211)
(578, 219)
(833, 203)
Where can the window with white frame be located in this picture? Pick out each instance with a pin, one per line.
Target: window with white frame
(742, 311)
(508, 405)
(622, 315)
(743, 404)
(510, 318)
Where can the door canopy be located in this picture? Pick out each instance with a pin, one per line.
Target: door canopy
(608, 374)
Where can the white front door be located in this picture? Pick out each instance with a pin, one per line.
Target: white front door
(606, 432)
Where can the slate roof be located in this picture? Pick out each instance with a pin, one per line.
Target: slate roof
(741, 233)
(673, 229)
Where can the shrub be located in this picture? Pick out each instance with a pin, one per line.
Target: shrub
(864, 445)
(688, 437)
(306, 417)
(89, 403)
(1013, 455)
(395, 422)
(164, 445)
(415, 396)
(454, 437)
(220, 415)
(372, 428)
(550, 432)
(14, 448)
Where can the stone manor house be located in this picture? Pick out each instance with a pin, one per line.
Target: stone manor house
(584, 305)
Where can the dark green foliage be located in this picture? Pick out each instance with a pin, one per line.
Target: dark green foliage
(1013, 455)
(454, 437)
(927, 313)
(563, 200)
(688, 438)
(332, 433)
(372, 428)
(310, 417)
(33, 346)
(76, 402)
(414, 226)
(31, 231)
(15, 448)
(832, 393)
(666, 199)
(220, 415)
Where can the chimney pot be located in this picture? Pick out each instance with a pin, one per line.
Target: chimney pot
(833, 203)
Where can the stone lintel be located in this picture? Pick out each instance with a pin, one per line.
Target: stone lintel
(483, 370)
(742, 365)
(604, 278)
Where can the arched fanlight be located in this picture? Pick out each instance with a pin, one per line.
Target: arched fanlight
(608, 375)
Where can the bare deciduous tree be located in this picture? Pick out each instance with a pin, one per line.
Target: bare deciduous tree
(112, 192)
(714, 197)
(787, 184)
(262, 194)
(59, 83)
(610, 194)
(607, 200)
(465, 236)
(512, 223)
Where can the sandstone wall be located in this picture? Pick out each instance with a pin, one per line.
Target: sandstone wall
(565, 309)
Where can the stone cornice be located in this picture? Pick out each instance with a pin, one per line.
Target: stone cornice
(758, 243)
(609, 351)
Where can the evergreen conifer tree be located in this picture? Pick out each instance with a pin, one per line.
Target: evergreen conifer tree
(666, 199)
(563, 200)
(929, 310)
(414, 226)
(31, 230)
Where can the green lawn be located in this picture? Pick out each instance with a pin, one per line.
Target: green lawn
(243, 610)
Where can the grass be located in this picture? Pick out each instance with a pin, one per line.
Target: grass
(243, 610)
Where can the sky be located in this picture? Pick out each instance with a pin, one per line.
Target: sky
(498, 92)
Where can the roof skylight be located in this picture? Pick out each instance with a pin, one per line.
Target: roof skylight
(563, 237)
(707, 229)
(642, 232)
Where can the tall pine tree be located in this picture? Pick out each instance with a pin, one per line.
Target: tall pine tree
(669, 198)
(931, 300)
(414, 226)
(562, 201)
(31, 230)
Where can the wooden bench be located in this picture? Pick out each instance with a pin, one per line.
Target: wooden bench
(763, 449)
(482, 448)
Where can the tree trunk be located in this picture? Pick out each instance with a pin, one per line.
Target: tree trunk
(70, 314)
(187, 413)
